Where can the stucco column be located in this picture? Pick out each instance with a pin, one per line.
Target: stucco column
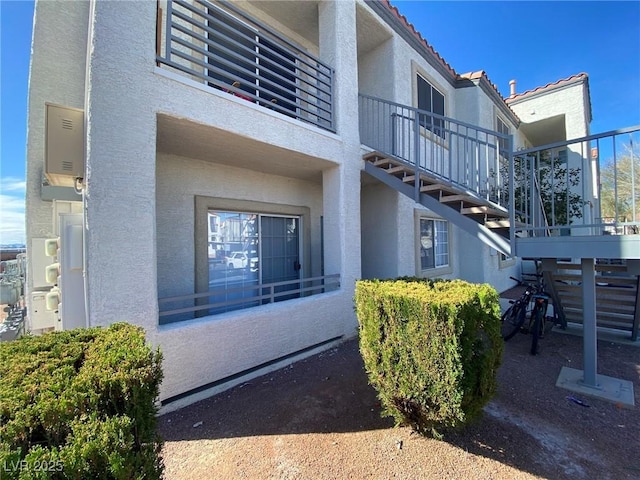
(341, 185)
(338, 47)
(121, 146)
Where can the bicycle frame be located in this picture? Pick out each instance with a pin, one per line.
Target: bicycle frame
(532, 307)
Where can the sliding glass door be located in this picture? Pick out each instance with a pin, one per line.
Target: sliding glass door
(250, 249)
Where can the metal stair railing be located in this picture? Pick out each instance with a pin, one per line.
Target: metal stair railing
(584, 186)
(475, 159)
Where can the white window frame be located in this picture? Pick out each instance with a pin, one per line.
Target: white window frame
(430, 131)
(438, 270)
(505, 261)
(502, 127)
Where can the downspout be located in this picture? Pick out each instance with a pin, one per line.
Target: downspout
(85, 226)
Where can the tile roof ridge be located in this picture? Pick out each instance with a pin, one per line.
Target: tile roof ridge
(469, 75)
(472, 75)
(581, 75)
(418, 35)
(479, 74)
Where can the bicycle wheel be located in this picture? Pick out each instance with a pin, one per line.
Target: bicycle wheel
(536, 330)
(512, 320)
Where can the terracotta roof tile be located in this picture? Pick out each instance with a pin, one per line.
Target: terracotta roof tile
(417, 34)
(480, 74)
(557, 83)
(471, 75)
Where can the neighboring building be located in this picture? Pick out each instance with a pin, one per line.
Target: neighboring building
(221, 148)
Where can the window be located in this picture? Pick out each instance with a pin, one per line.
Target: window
(251, 249)
(244, 58)
(505, 260)
(430, 100)
(503, 143)
(562, 156)
(434, 244)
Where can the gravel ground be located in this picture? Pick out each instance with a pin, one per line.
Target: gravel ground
(319, 419)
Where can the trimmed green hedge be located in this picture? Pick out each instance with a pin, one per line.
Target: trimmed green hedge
(80, 404)
(431, 349)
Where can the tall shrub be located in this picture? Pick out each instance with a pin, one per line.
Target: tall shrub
(431, 349)
(80, 404)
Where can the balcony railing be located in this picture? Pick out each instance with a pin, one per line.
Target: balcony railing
(219, 300)
(218, 44)
(587, 186)
(472, 158)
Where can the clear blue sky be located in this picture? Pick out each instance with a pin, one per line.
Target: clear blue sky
(533, 42)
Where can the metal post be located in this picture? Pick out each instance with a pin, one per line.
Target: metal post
(168, 32)
(590, 341)
(512, 198)
(416, 180)
(633, 180)
(615, 184)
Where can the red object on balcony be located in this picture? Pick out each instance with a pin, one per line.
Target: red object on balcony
(236, 84)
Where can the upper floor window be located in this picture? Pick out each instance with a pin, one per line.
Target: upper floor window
(502, 127)
(562, 156)
(431, 100)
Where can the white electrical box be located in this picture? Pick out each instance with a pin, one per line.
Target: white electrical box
(52, 300)
(64, 145)
(51, 273)
(39, 316)
(39, 262)
(51, 246)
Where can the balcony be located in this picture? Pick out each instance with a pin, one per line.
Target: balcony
(220, 45)
(570, 199)
(241, 295)
(579, 198)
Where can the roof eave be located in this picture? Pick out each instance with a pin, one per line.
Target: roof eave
(405, 29)
(581, 78)
(491, 91)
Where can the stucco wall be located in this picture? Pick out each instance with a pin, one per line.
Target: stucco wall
(467, 104)
(373, 72)
(67, 23)
(179, 179)
(139, 202)
(568, 101)
(470, 259)
(379, 220)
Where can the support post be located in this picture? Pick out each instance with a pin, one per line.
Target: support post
(416, 140)
(590, 340)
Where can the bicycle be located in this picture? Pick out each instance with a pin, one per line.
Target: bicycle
(533, 305)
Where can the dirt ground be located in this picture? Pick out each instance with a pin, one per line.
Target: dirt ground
(319, 419)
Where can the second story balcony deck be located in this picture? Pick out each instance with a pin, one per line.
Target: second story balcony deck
(578, 198)
(224, 47)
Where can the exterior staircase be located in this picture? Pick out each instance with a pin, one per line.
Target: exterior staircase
(456, 170)
(471, 177)
(457, 201)
(617, 295)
